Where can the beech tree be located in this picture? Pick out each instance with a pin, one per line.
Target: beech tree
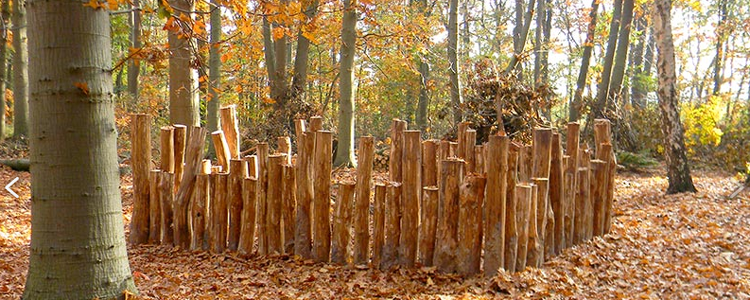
(77, 239)
(678, 169)
(20, 71)
(345, 152)
(183, 80)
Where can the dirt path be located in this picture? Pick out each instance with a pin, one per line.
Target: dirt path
(661, 247)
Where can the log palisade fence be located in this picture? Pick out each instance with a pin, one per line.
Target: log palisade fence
(460, 207)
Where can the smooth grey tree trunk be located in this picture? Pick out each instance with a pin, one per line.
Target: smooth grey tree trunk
(637, 87)
(345, 150)
(621, 55)
(721, 37)
(302, 56)
(453, 67)
(609, 57)
(576, 106)
(134, 69)
(214, 73)
(538, 34)
(183, 80)
(3, 53)
(20, 71)
(523, 34)
(678, 170)
(77, 233)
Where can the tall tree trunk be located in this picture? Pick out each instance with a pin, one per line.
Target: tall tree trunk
(540, 18)
(453, 68)
(135, 42)
(302, 55)
(214, 73)
(637, 86)
(648, 57)
(517, 44)
(77, 243)
(621, 55)
(424, 94)
(609, 57)
(678, 170)
(183, 80)
(519, 41)
(3, 65)
(345, 151)
(588, 47)
(20, 71)
(721, 36)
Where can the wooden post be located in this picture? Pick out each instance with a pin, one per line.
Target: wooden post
(167, 149)
(611, 171)
(154, 204)
(274, 204)
(322, 202)
(185, 191)
(249, 197)
(470, 224)
(556, 198)
(444, 151)
(511, 210)
(140, 162)
(411, 190)
(362, 200)
(289, 202)
(167, 199)
(222, 149)
(581, 200)
(446, 247)
(342, 222)
(180, 141)
(219, 213)
(589, 208)
(378, 225)
(316, 123)
(524, 195)
(598, 195)
(262, 203)
(461, 140)
(602, 135)
(252, 165)
(198, 207)
(303, 231)
(397, 150)
(495, 204)
(230, 127)
(429, 163)
(571, 173)
(536, 243)
(205, 167)
(525, 164)
(237, 173)
(284, 146)
(453, 149)
(470, 141)
(300, 127)
(479, 160)
(392, 225)
(428, 225)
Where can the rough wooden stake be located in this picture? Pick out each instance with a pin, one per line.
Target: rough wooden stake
(205, 167)
(238, 172)
(581, 202)
(479, 160)
(342, 222)
(598, 195)
(322, 201)
(557, 202)
(366, 155)
(495, 204)
(230, 127)
(166, 186)
(219, 213)
(571, 173)
(262, 203)
(524, 195)
(470, 141)
(274, 204)
(525, 164)
(185, 191)
(428, 225)
(222, 149)
(397, 150)
(180, 142)
(461, 140)
(303, 230)
(154, 204)
(511, 210)
(378, 225)
(140, 137)
(198, 214)
(252, 165)
(446, 246)
(289, 202)
(389, 255)
(411, 191)
(249, 197)
(535, 256)
(166, 140)
(429, 163)
(470, 224)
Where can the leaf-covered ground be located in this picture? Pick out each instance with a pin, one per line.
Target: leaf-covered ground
(662, 247)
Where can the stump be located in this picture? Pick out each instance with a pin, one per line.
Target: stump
(495, 204)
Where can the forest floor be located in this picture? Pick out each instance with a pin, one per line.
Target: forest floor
(687, 246)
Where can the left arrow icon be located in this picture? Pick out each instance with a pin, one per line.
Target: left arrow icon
(7, 187)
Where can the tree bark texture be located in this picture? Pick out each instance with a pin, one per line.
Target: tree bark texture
(345, 150)
(588, 48)
(20, 70)
(183, 80)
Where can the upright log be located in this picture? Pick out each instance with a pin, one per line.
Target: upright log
(154, 204)
(219, 213)
(198, 205)
(602, 135)
(366, 155)
(470, 140)
(397, 150)
(289, 202)
(571, 173)
(249, 197)
(525, 164)
(252, 166)
(205, 167)
(166, 186)
(511, 210)
(535, 256)
(610, 189)
(230, 127)
(378, 225)
(479, 159)
(428, 224)
(556, 198)
(316, 123)
(495, 204)
(444, 151)
(446, 248)
(392, 226)
(598, 195)
(140, 162)
(180, 142)
(274, 204)
(429, 163)
(303, 231)
(262, 203)
(524, 195)
(411, 191)
(237, 173)
(589, 208)
(461, 140)
(284, 146)
(470, 224)
(166, 139)
(222, 149)
(322, 202)
(581, 202)
(185, 191)
(342, 222)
